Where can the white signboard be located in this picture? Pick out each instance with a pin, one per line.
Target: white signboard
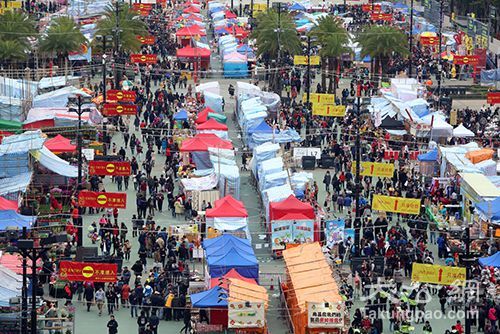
(299, 152)
(246, 315)
(325, 315)
(88, 153)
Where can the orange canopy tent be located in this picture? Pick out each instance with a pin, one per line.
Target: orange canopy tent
(479, 155)
(60, 144)
(241, 292)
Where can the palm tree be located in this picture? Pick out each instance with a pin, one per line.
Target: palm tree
(15, 30)
(275, 35)
(129, 23)
(63, 36)
(381, 43)
(332, 39)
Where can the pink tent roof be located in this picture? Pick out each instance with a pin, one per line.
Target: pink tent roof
(290, 208)
(227, 207)
(60, 144)
(203, 115)
(190, 52)
(191, 9)
(6, 204)
(202, 141)
(225, 279)
(235, 57)
(190, 31)
(212, 124)
(230, 15)
(14, 263)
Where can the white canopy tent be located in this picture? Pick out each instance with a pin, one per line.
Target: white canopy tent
(462, 132)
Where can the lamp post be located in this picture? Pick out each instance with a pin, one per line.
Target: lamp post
(411, 39)
(104, 39)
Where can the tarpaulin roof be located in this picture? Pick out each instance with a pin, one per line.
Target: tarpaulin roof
(16, 183)
(462, 132)
(491, 261)
(292, 208)
(191, 9)
(60, 144)
(491, 209)
(429, 156)
(202, 141)
(10, 218)
(207, 243)
(231, 274)
(391, 123)
(245, 291)
(190, 31)
(203, 115)
(230, 15)
(180, 115)
(246, 264)
(261, 127)
(190, 52)
(11, 285)
(215, 297)
(6, 204)
(22, 143)
(230, 246)
(297, 6)
(227, 207)
(51, 161)
(480, 184)
(212, 124)
(479, 155)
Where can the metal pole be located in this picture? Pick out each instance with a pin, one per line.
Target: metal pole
(467, 277)
(24, 291)
(232, 4)
(308, 73)
(251, 8)
(104, 74)
(278, 81)
(117, 46)
(357, 220)
(34, 283)
(440, 51)
(79, 142)
(411, 40)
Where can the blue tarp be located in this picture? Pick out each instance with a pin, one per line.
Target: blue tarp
(244, 263)
(219, 249)
(491, 209)
(10, 218)
(181, 115)
(429, 156)
(215, 297)
(262, 127)
(491, 261)
(297, 6)
(223, 239)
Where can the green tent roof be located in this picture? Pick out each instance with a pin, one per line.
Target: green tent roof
(10, 125)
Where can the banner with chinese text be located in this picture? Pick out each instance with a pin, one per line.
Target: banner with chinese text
(121, 95)
(115, 168)
(465, 60)
(147, 40)
(327, 315)
(379, 169)
(435, 274)
(88, 272)
(302, 60)
(493, 97)
(245, 315)
(396, 204)
(117, 109)
(143, 59)
(328, 110)
(102, 200)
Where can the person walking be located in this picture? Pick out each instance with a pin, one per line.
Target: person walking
(327, 181)
(112, 325)
(89, 296)
(187, 321)
(99, 299)
(142, 321)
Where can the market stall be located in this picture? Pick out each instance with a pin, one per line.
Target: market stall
(229, 216)
(476, 188)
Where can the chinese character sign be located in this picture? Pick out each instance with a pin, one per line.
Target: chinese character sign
(334, 232)
(328, 110)
(109, 168)
(379, 169)
(102, 200)
(493, 97)
(325, 315)
(89, 272)
(303, 60)
(245, 315)
(396, 204)
(444, 275)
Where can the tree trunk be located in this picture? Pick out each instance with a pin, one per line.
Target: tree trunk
(323, 75)
(376, 63)
(66, 67)
(330, 75)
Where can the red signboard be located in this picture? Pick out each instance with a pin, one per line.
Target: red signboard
(381, 16)
(429, 41)
(465, 60)
(143, 12)
(102, 200)
(88, 272)
(120, 95)
(493, 98)
(109, 168)
(368, 8)
(117, 109)
(142, 6)
(148, 40)
(142, 59)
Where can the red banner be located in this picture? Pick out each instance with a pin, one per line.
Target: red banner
(429, 41)
(142, 59)
(143, 12)
(88, 272)
(493, 97)
(120, 95)
(380, 16)
(148, 40)
(142, 6)
(116, 109)
(368, 8)
(465, 60)
(102, 200)
(115, 168)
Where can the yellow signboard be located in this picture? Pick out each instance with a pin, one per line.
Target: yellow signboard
(259, 7)
(434, 274)
(328, 110)
(302, 60)
(379, 169)
(15, 4)
(316, 98)
(396, 204)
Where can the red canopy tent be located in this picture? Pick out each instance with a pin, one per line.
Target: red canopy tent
(191, 31)
(212, 124)
(227, 207)
(190, 52)
(225, 279)
(239, 32)
(60, 144)
(6, 204)
(230, 15)
(202, 141)
(191, 9)
(203, 115)
(290, 209)
(191, 17)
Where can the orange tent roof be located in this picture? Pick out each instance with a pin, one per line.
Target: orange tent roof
(231, 274)
(479, 155)
(247, 292)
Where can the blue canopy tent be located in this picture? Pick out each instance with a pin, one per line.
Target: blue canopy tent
(181, 115)
(243, 49)
(491, 261)
(10, 218)
(261, 127)
(223, 239)
(429, 156)
(219, 250)
(297, 7)
(491, 209)
(215, 297)
(244, 263)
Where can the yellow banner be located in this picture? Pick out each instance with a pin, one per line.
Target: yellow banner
(316, 98)
(396, 204)
(434, 274)
(15, 4)
(328, 110)
(302, 60)
(259, 7)
(379, 169)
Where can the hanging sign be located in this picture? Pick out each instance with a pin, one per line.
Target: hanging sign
(465, 60)
(325, 315)
(121, 95)
(142, 6)
(429, 40)
(396, 204)
(376, 16)
(435, 274)
(115, 168)
(328, 110)
(302, 60)
(88, 272)
(368, 8)
(493, 97)
(116, 109)
(379, 169)
(147, 40)
(102, 200)
(317, 98)
(143, 59)
(245, 315)
(334, 232)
